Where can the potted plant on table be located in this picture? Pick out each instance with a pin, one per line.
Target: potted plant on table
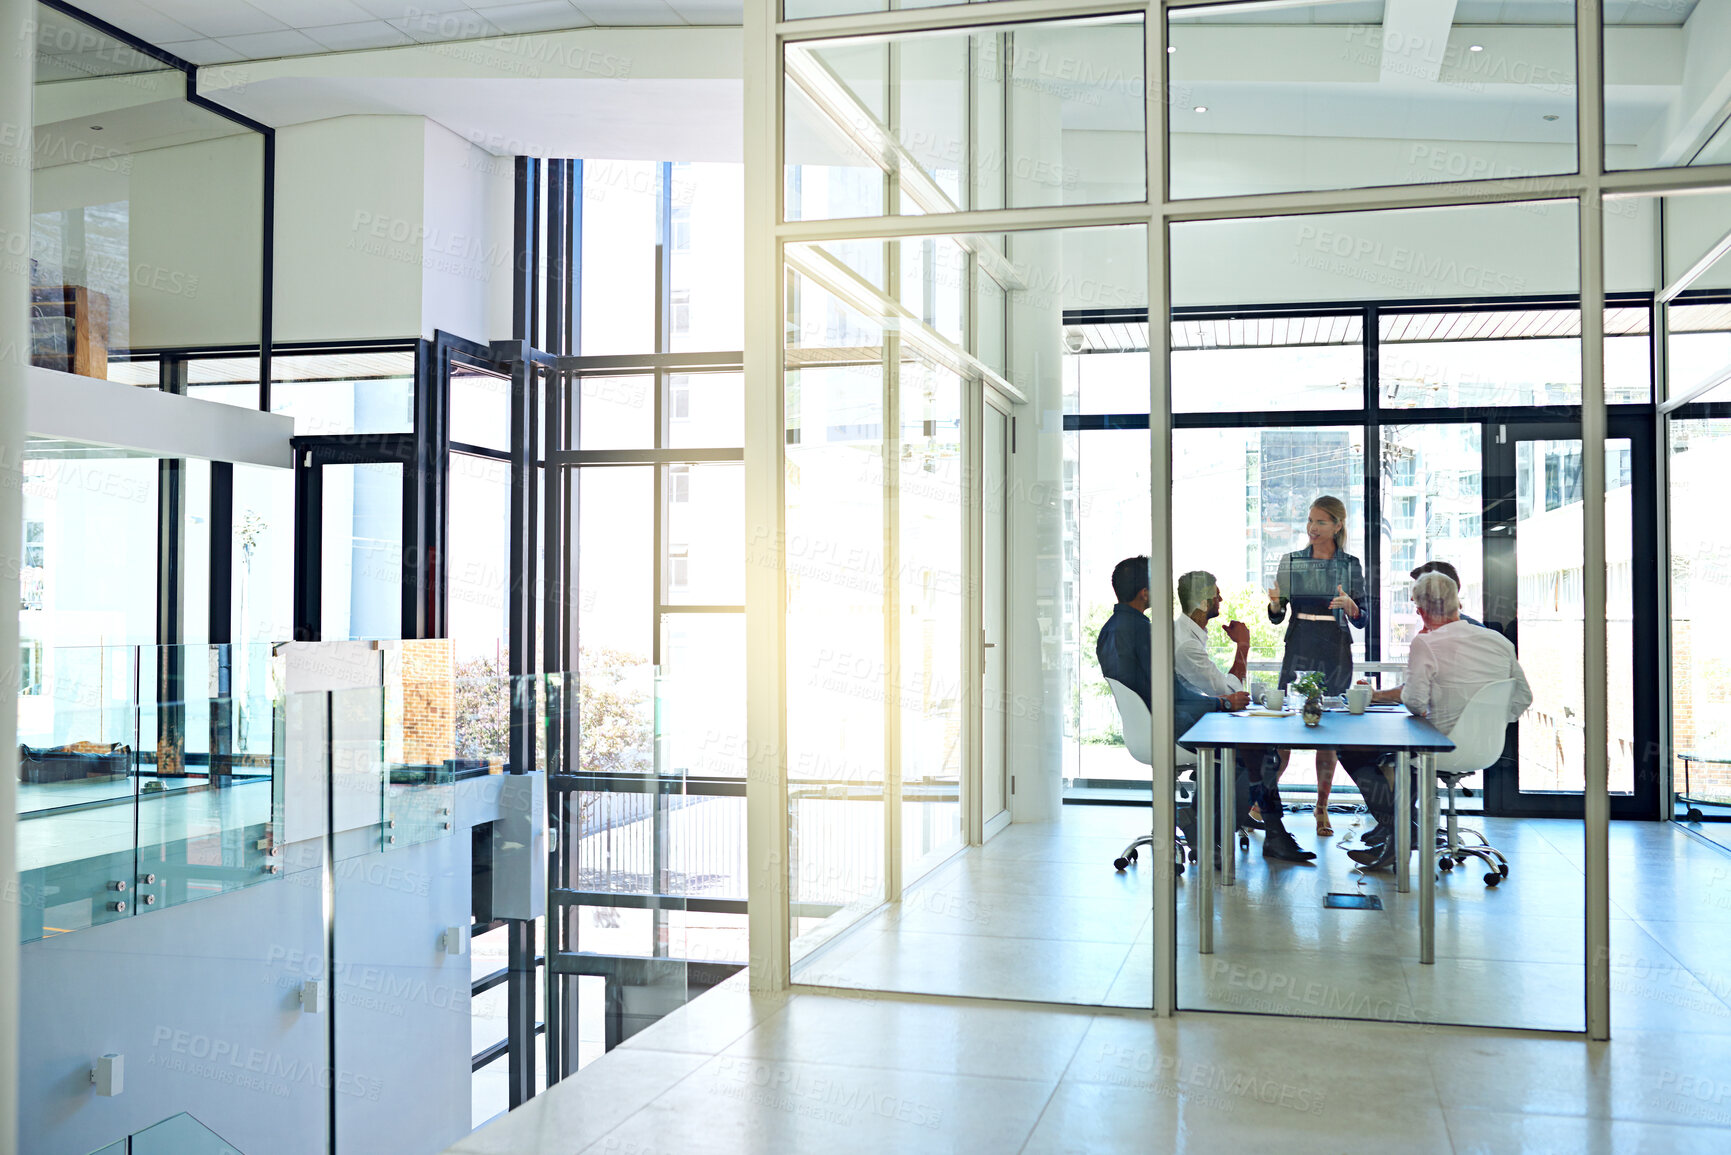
(1312, 687)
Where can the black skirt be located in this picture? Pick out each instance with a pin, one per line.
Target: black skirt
(1321, 646)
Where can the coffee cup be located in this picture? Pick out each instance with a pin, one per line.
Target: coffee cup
(1271, 699)
(1357, 699)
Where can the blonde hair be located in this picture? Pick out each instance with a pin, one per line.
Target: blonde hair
(1336, 509)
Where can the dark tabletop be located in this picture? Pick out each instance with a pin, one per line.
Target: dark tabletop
(1339, 730)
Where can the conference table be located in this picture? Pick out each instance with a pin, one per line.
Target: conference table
(1216, 736)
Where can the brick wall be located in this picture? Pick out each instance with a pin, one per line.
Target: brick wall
(428, 721)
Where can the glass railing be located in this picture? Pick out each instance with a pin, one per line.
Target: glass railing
(154, 776)
(145, 780)
(176, 1135)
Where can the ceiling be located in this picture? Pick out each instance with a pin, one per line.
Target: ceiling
(1624, 13)
(225, 31)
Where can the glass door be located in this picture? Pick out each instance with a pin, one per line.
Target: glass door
(1534, 594)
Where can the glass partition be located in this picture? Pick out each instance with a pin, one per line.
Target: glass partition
(1700, 546)
(144, 781)
(1009, 117)
(1341, 928)
(892, 464)
(1291, 97)
(1663, 64)
(147, 211)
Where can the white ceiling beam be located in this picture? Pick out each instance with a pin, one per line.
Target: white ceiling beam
(91, 411)
(1415, 38)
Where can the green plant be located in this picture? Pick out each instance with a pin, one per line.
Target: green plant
(1312, 685)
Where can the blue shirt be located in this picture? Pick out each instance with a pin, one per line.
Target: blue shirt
(1322, 578)
(1125, 650)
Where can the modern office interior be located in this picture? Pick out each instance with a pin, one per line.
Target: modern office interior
(564, 551)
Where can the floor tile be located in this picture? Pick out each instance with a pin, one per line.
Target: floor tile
(708, 1024)
(978, 1039)
(1641, 1076)
(981, 966)
(739, 1104)
(1492, 1132)
(613, 1088)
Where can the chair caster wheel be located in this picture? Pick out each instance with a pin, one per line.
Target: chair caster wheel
(1445, 864)
(1492, 878)
(1133, 856)
(1178, 868)
(1694, 815)
(1243, 840)
(1120, 863)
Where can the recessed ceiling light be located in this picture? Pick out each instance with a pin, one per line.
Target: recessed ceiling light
(1201, 108)
(1550, 116)
(1169, 48)
(1475, 48)
(96, 128)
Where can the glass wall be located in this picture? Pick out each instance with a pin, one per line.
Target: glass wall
(147, 211)
(887, 616)
(1459, 452)
(1425, 365)
(1332, 95)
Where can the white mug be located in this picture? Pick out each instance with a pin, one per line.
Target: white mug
(1357, 698)
(1271, 698)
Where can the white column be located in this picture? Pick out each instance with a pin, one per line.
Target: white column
(1164, 736)
(765, 602)
(17, 20)
(1596, 803)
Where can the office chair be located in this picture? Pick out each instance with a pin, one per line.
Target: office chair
(1478, 737)
(1138, 726)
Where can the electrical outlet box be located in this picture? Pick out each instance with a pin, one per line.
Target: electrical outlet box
(455, 940)
(109, 1075)
(313, 997)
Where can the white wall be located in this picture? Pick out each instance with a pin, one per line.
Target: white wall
(197, 240)
(203, 1002)
(1693, 225)
(390, 226)
(189, 996)
(467, 256)
(349, 200)
(193, 248)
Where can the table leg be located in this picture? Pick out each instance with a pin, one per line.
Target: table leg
(1205, 795)
(1228, 771)
(1427, 858)
(1403, 822)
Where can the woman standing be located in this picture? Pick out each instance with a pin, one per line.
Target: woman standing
(1324, 586)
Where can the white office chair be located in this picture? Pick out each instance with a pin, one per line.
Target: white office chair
(1478, 737)
(1138, 726)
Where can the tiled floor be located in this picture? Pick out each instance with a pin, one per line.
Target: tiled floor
(1038, 914)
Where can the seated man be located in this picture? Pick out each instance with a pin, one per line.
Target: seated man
(1125, 654)
(1450, 662)
(1198, 604)
(1392, 694)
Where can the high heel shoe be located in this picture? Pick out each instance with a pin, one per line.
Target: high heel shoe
(1323, 829)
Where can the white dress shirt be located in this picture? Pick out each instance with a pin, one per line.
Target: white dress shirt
(1192, 663)
(1451, 663)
